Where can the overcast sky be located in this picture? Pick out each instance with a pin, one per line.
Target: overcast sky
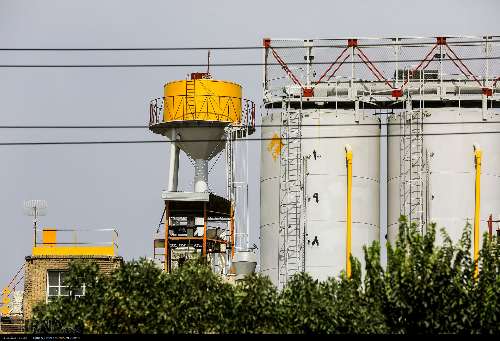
(102, 186)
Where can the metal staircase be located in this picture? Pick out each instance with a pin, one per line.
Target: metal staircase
(291, 246)
(412, 167)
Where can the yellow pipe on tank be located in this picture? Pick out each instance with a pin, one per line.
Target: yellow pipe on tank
(477, 158)
(348, 157)
(202, 100)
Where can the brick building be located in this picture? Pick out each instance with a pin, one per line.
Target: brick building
(46, 267)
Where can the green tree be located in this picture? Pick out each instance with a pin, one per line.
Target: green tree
(424, 288)
(254, 307)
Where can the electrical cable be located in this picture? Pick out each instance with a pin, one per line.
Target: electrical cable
(194, 125)
(238, 140)
(211, 65)
(250, 47)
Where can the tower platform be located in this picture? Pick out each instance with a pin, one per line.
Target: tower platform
(183, 212)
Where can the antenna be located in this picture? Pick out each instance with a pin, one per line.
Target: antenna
(35, 208)
(208, 64)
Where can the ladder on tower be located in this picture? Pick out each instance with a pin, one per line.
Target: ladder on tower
(412, 168)
(230, 165)
(291, 246)
(190, 98)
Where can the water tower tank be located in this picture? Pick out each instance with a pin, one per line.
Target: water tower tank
(200, 116)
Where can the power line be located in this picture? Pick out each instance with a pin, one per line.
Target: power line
(249, 47)
(238, 140)
(213, 65)
(194, 125)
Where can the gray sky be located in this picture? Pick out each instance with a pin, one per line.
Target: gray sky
(100, 186)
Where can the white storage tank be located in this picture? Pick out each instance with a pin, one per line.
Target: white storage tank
(448, 169)
(322, 207)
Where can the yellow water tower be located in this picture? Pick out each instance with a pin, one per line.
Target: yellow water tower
(200, 116)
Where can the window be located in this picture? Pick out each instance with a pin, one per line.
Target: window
(56, 287)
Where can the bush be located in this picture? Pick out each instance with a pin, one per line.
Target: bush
(424, 289)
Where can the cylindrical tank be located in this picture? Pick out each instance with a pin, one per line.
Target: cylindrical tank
(324, 188)
(208, 105)
(448, 169)
(202, 100)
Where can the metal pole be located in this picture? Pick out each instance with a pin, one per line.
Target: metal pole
(267, 43)
(348, 156)
(166, 265)
(204, 229)
(173, 175)
(232, 232)
(490, 226)
(34, 225)
(441, 70)
(485, 83)
(352, 73)
(308, 45)
(247, 214)
(397, 63)
(477, 158)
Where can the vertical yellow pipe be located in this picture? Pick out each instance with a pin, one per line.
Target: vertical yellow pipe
(348, 156)
(477, 157)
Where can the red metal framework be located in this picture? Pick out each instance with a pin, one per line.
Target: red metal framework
(496, 80)
(477, 49)
(306, 91)
(376, 72)
(425, 61)
(331, 65)
(457, 61)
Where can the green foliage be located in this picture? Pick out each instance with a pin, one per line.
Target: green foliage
(422, 289)
(254, 306)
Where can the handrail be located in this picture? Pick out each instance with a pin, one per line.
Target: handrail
(113, 242)
(158, 106)
(471, 56)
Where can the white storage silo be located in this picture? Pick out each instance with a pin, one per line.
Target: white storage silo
(431, 173)
(322, 201)
(447, 170)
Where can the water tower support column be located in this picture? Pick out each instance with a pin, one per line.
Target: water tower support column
(173, 175)
(201, 175)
